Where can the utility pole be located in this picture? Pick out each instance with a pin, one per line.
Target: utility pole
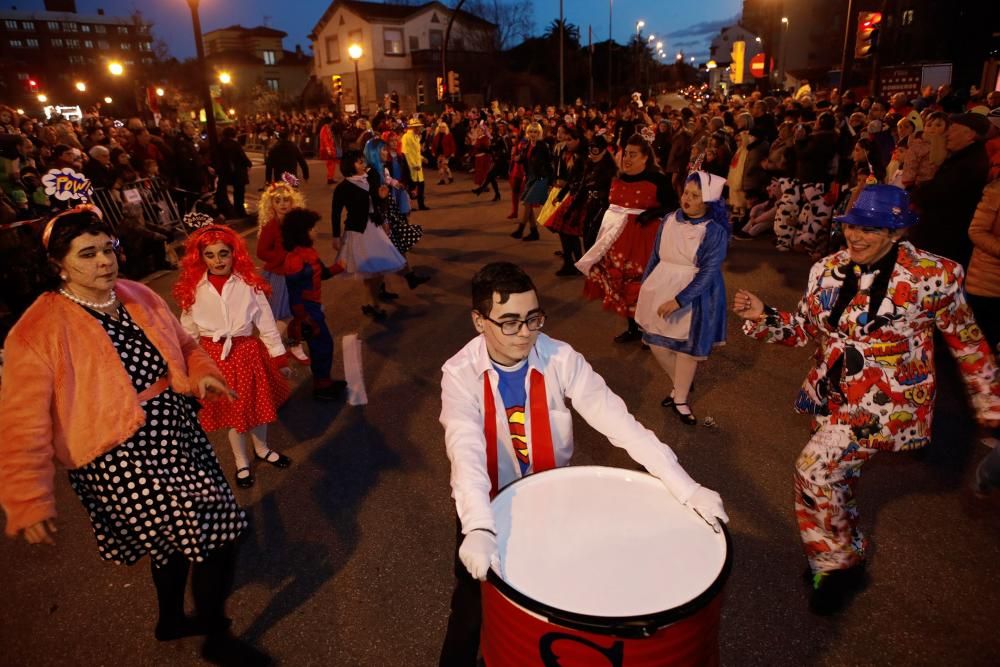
(562, 31)
(846, 61)
(611, 6)
(590, 51)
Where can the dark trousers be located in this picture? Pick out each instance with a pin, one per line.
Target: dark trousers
(320, 345)
(420, 195)
(572, 248)
(987, 312)
(461, 642)
(491, 180)
(238, 207)
(211, 584)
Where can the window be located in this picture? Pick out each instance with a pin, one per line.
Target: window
(69, 27)
(103, 45)
(414, 42)
(16, 44)
(392, 41)
(22, 76)
(32, 43)
(28, 25)
(145, 46)
(333, 49)
(72, 43)
(146, 60)
(269, 58)
(52, 25)
(85, 27)
(272, 85)
(436, 38)
(11, 25)
(123, 30)
(58, 43)
(100, 29)
(126, 46)
(354, 37)
(77, 60)
(88, 44)
(143, 29)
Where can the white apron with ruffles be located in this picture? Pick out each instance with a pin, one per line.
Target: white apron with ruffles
(612, 225)
(678, 251)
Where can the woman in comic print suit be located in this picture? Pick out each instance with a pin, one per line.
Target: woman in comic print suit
(872, 310)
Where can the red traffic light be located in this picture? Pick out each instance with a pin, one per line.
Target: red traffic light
(32, 83)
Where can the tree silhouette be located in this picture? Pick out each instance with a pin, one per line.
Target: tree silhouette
(572, 33)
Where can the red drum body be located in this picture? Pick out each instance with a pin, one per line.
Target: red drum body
(602, 567)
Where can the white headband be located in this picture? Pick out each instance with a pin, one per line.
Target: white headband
(711, 186)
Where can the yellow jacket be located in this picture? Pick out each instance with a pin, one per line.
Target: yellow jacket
(414, 159)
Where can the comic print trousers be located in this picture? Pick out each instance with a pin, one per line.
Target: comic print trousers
(826, 473)
(813, 232)
(788, 209)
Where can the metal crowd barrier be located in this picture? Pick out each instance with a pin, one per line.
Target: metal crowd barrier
(151, 195)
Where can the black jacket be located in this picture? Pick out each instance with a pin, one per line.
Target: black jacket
(815, 157)
(947, 202)
(755, 179)
(284, 156)
(538, 164)
(348, 196)
(233, 165)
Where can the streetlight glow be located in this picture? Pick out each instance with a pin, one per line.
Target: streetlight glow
(81, 86)
(225, 78)
(116, 68)
(160, 92)
(640, 25)
(680, 56)
(107, 100)
(232, 112)
(758, 40)
(355, 51)
(659, 45)
(43, 98)
(711, 64)
(784, 19)
(20, 111)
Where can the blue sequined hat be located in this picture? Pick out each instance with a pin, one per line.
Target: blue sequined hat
(882, 206)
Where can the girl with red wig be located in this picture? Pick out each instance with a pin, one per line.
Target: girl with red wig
(223, 299)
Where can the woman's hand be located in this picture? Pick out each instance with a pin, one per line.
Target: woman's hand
(668, 308)
(41, 532)
(213, 387)
(747, 305)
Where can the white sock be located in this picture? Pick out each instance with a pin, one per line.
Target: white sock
(258, 436)
(238, 443)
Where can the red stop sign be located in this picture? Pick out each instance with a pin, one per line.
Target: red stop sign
(757, 66)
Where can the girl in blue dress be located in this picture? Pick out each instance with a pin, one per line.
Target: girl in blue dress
(682, 301)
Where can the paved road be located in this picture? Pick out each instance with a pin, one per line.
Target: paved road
(348, 561)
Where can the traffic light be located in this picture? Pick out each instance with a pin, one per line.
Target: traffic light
(338, 85)
(32, 86)
(454, 85)
(869, 24)
(440, 88)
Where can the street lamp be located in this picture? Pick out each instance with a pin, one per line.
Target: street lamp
(639, 25)
(659, 46)
(160, 92)
(355, 52)
(116, 68)
(108, 100)
(225, 78)
(784, 43)
(43, 98)
(651, 38)
(81, 86)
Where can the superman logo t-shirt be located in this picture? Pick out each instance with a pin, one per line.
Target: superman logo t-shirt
(514, 397)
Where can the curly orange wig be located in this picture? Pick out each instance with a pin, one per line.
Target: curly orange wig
(193, 266)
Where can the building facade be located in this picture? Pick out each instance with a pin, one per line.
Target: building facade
(49, 52)
(400, 49)
(256, 61)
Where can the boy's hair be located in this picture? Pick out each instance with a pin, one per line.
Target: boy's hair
(503, 278)
(347, 161)
(295, 228)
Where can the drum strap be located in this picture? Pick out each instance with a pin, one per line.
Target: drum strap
(542, 451)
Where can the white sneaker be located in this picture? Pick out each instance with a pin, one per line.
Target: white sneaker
(299, 353)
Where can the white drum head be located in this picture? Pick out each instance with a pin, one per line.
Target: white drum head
(604, 542)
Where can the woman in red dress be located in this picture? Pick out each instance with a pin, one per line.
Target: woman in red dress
(480, 140)
(516, 170)
(640, 195)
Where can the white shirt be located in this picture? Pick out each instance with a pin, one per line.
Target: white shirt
(236, 312)
(567, 375)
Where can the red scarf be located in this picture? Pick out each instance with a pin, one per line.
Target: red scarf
(542, 453)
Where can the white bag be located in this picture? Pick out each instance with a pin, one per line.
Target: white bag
(353, 370)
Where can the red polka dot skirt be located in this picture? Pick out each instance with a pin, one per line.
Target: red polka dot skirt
(255, 378)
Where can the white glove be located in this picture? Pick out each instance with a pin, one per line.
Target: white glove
(708, 505)
(478, 552)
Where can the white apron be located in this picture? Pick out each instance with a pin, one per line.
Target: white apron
(612, 225)
(678, 250)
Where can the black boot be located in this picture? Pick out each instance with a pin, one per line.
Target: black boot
(516, 234)
(414, 280)
(831, 591)
(630, 335)
(386, 295)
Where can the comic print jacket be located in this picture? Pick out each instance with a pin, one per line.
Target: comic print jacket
(878, 377)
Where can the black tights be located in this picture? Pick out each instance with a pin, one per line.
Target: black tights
(211, 584)
(572, 248)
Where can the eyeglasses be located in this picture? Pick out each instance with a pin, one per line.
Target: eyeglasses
(513, 327)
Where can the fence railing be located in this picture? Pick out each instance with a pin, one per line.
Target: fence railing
(150, 195)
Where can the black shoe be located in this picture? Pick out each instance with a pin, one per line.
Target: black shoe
(451, 180)
(185, 626)
(668, 402)
(496, 197)
(690, 420)
(477, 191)
(414, 280)
(831, 591)
(225, 649)
(558, 253)
(741, 235)
(441, 182)
(281, 462)
(332, 392)
(374, 312)
(629, 336)
(569, 270)
(244, 481)
(516, 234)
(533, 236)
(386, 295)
(424, 208)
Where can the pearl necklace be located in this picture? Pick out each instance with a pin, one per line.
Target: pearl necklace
(89, 304)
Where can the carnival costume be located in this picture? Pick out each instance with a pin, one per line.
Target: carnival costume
(269, 248)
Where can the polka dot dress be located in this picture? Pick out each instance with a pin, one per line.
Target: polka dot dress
(161, 491)
(402, 234)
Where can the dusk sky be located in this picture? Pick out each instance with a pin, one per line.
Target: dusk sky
(688, 25)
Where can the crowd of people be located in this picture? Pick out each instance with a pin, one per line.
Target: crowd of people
(897, 201)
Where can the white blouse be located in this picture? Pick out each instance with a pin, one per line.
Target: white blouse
(236, 312)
